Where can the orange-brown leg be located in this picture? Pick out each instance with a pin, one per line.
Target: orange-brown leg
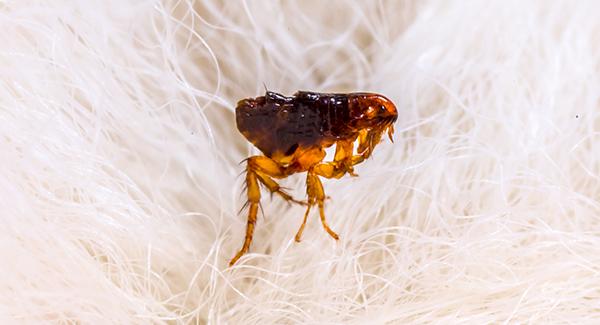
(367, 140)
(342, 163)
(345, 159)
(301, 230)
(314, 189)
(253, 201)
(344, 151)
(265, 169)
(260, 169)
(269, 183)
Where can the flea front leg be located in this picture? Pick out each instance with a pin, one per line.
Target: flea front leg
(343, 158)
(343, 161)
(367, 140)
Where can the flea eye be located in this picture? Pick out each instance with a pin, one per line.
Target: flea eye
(382, 109)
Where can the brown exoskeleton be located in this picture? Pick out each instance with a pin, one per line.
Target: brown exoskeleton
(292, 133)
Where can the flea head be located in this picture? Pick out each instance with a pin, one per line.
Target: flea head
(373, 112)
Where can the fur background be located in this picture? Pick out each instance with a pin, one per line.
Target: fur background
(120, 163)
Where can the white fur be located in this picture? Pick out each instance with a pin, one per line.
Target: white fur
(120, 186)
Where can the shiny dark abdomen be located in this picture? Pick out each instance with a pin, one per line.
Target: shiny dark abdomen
(278, 124)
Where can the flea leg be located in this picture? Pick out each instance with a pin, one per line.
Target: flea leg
(343, 157)
(260, 169)
(367, 140)
(299, 233)
(343, 162)
(266, 168)
(275, 188)
(253, 201)
(315, 192)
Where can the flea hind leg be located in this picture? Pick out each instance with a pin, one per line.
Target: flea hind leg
(260, 169)
(269, 183)
(266, 169)
(253, 201)
(316, 194)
